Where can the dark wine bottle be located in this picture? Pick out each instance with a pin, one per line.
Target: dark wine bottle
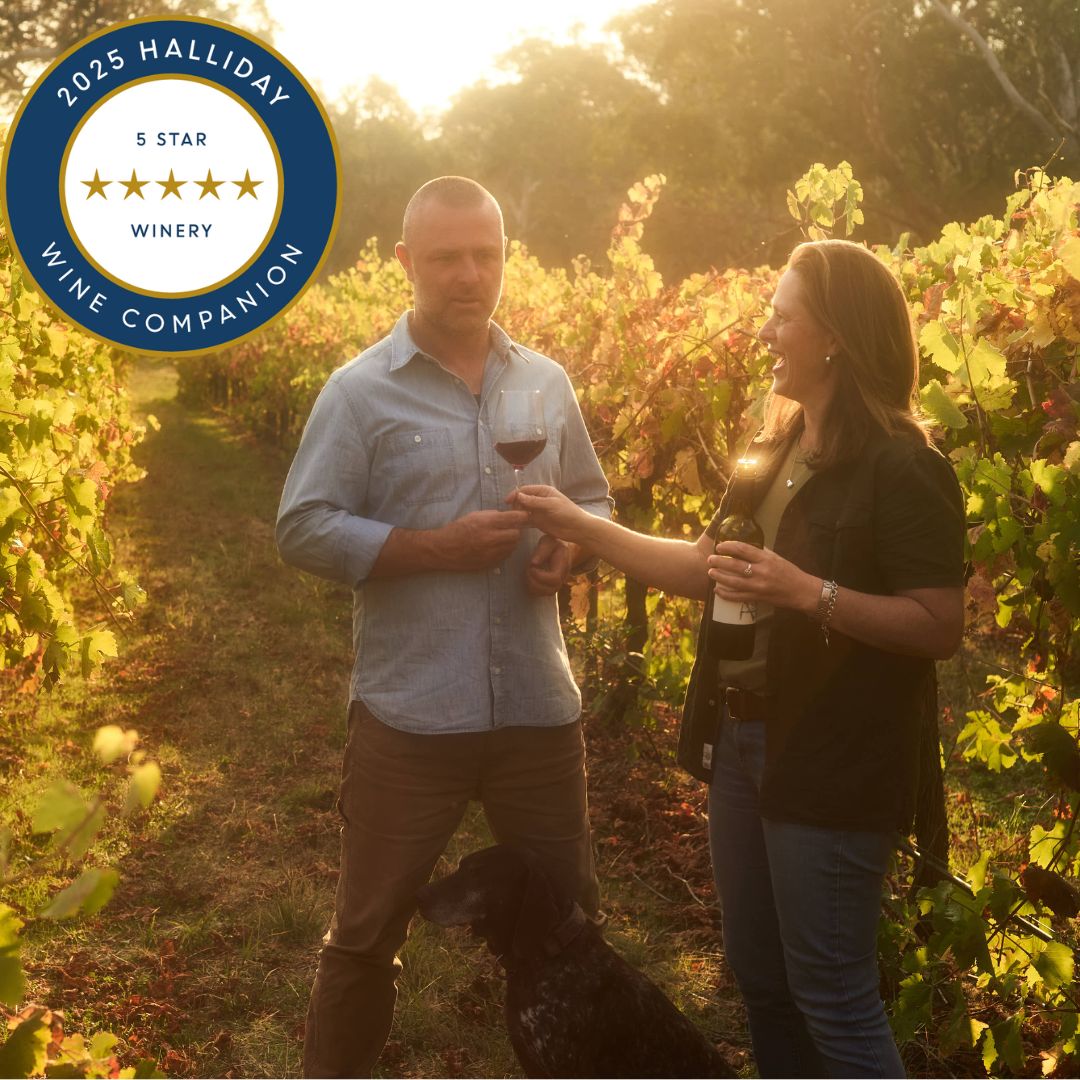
(731, 629)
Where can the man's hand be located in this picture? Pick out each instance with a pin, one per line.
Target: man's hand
(552, 512)
(549, 567)
(479, 540)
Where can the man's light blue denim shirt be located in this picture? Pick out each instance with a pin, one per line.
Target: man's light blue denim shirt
(396, 440)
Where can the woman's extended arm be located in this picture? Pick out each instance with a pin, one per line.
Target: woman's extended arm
(917, 622)
(675, 566)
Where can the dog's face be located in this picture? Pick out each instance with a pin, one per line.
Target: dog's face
(483, 880)
(503, 894)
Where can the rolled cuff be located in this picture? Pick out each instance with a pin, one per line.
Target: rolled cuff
(361, 541)
(331, 543)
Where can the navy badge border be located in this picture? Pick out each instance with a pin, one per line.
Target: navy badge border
(136, 319)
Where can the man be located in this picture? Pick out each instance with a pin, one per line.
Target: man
(461, 687)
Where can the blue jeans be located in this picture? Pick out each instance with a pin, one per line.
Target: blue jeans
(800, 909)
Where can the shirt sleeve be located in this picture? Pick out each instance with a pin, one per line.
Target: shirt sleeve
(583, 479)
(919, 521)
(320, 523)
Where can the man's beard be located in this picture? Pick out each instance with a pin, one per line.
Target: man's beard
(457, 318)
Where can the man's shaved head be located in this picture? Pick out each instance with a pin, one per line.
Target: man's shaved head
(456, 191)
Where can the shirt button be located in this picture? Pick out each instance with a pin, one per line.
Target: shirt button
(417, 438)
(487, 469)
(496, 670)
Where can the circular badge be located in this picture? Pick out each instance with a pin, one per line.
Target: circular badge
(171, 184)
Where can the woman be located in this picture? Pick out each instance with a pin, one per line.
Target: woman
(810, 747)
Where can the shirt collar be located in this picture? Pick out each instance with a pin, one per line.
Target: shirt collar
(403, 348)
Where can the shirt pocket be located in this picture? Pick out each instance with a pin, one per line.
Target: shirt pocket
(547, 468)
(420, 464)
(843, 542)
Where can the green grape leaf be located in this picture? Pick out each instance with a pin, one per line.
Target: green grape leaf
(97, 644)
(1069, 254)
(984, 738)
(940, 345)
(961, 1031)
(23, 1053)
(937, 403)
(913, 1007)
(90, 892)
(58, 340)
(1044, 844)
(61, 807)
(143, 786)
(1060, 753)
(12, 979)
(10, 501)
(986, 364)
(97, 541)
(146, 1069)
(112, 742)
(1055, 964)
(102, 1044)
(1051, 479)
(989, 1051)
(1007, 1043)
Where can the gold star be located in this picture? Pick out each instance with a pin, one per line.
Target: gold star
(171, 186)
(134, 186)
(96, 186)
(247, 185)
(209, 185)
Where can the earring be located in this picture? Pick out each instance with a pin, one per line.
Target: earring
(828, 359)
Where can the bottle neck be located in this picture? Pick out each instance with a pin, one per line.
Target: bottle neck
(742, 495)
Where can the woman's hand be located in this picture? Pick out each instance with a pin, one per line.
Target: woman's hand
(552, 512)
(771, 577)
(913, 622)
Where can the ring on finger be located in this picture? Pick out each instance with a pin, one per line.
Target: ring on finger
(749, 570)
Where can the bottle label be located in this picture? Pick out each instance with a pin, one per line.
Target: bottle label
(733, 612)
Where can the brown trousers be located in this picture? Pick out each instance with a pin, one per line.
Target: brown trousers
(402, 797)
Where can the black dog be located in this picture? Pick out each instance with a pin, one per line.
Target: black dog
(573, 1006)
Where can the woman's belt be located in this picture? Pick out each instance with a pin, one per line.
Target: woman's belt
(745, 705)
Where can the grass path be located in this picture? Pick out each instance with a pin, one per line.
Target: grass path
(236, 676)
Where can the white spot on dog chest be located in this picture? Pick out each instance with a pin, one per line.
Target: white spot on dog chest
(529, 1018)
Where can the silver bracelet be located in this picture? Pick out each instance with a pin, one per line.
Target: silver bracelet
(826, 606)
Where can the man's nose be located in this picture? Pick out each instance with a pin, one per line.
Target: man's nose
(469, 269)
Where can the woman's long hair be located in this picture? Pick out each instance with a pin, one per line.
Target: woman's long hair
(851, 293)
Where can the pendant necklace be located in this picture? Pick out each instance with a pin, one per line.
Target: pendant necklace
(789, 483)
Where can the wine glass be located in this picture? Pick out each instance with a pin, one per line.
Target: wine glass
(519, 429)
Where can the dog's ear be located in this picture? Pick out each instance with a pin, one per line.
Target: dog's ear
(538, 915)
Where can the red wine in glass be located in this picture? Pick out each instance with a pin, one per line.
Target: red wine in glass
(520, 453)
(519, 430)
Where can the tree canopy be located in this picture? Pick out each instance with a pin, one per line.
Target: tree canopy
(936, 104)
(34, 32)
